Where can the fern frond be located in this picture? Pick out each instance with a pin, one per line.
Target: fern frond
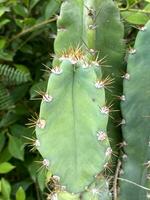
(13, 75)
(6, 102)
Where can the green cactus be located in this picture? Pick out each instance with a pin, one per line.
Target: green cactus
(92, 22)
(136, 110)
(72, 125)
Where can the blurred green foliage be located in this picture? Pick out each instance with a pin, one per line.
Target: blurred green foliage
(27, 29)
(136, 12)
(27, 32)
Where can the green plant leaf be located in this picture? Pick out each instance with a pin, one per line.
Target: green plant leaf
(6, 55)
(20, 131)
(20, 194)
(3, 9)
(147, 7)
(20, 10)
(5, 189)
(6, 167)
(2, 42)
(135, 17)
(51, 8)
(16, 147)
(33, 3)
(8, 119)
(4, 22)
(5, 155)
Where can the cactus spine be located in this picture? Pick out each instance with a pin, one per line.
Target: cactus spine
(136, 110)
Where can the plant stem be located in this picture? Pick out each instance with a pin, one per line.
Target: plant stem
(36, 26)
(136, 10)
(116, 180)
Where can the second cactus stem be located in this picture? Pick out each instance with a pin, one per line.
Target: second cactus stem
(136, 112)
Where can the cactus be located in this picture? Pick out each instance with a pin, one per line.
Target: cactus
(136, 110)
(72, 125)
(92, 22)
